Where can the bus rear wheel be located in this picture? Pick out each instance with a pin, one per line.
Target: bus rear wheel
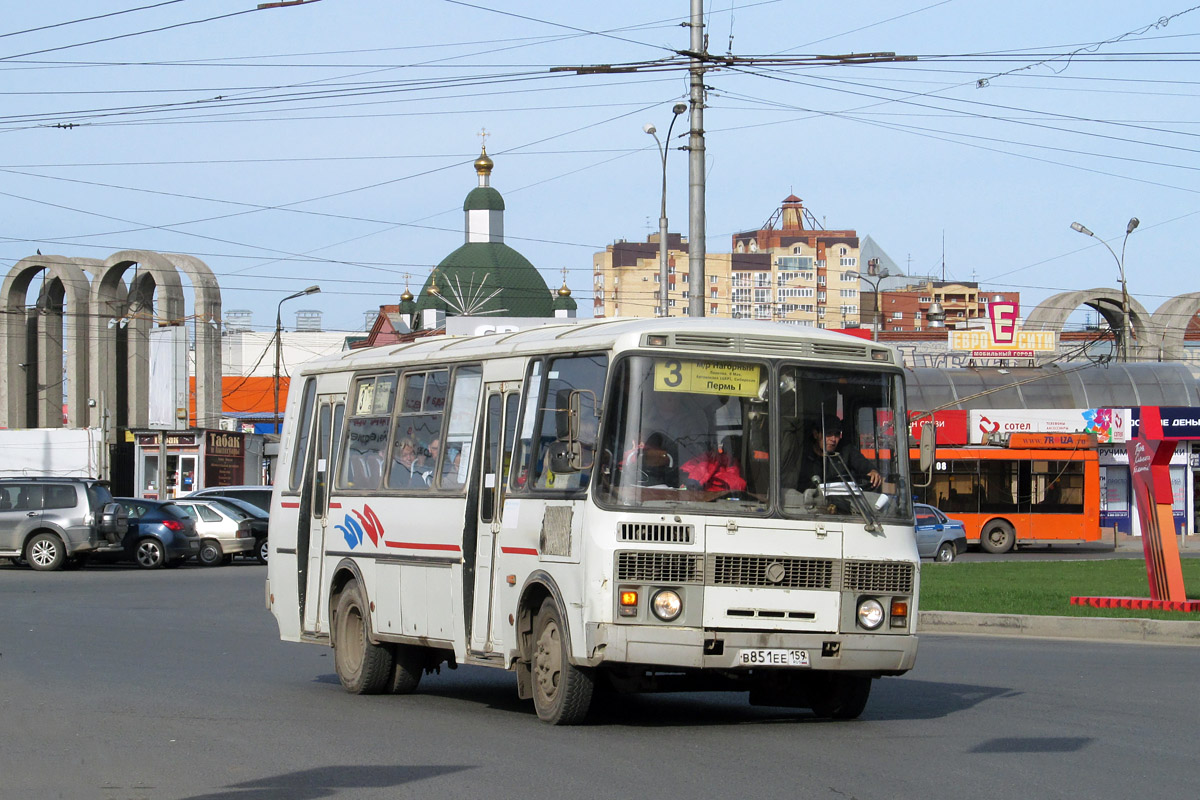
(409, 663)
(998, 537)
(362, 666)
(562, 692)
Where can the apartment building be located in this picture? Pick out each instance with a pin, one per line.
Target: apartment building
(627, 280)
(790, 270)
(905, 308)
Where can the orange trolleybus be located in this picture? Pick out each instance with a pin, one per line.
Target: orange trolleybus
(1039, 488)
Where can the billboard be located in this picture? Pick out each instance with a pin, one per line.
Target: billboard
(1110, 425)
(1003, 337)
(951, 427)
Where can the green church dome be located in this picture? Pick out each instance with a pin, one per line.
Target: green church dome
(483, 198)
(487, 278)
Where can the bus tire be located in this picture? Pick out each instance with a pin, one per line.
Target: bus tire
(839, 696)
(997, 537)
(406, 673)
(362, 666)
(562, 692)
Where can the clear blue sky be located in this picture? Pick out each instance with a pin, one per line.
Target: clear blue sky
(332, 142)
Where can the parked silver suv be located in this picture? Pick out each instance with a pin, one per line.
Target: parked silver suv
(53, 522)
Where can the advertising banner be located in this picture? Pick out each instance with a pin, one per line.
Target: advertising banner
(951, 427)
(1110, 425)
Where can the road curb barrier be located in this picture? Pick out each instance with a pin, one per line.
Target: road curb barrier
(1111, 629)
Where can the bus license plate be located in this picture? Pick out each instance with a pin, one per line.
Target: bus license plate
(772, 657)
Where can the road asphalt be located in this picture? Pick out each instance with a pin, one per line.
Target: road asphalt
(1110, 629)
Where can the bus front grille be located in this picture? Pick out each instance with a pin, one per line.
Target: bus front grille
(769, 571)
(878, 576)
(660, 567)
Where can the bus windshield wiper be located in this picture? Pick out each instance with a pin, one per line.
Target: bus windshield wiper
(858, 498)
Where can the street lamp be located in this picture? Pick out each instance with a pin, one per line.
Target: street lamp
(1129, 228)
(649, 128)
(874, 269)
(278, 332)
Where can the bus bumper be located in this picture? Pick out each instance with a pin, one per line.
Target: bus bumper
(723, 649)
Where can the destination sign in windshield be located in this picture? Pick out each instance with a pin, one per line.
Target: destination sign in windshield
(727, 378)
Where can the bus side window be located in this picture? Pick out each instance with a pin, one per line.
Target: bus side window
(302, 431)
(460, 428)
(367, 433)
(582, 374)
(534, 385)
(417, 434)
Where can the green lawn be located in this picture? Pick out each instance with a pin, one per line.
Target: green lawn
(1045, 587)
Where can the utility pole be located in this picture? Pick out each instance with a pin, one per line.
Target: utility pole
(696, 244)
(699, 60)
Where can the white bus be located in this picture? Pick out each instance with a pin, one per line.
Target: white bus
(612, 501)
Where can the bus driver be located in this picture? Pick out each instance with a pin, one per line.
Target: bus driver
(825, 443)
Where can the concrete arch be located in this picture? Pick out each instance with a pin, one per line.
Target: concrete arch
(1171, 321)
(32, 343)
(1052, 313)
(207, 310)
(120, 356)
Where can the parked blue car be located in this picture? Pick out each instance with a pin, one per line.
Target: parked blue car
(938, 536)
(160, 535)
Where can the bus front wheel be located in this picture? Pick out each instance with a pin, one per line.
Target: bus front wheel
(998, 537)
(840, 696)
(562, 692)
(362, 666)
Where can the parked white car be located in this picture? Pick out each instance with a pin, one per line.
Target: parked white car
(221, 535)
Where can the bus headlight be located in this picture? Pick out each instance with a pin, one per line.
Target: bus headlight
(667, 605)
(870, 613)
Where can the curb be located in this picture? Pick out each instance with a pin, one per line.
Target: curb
(1109, 629)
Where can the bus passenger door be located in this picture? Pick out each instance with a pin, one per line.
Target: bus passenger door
(500, 423)
(331, 410)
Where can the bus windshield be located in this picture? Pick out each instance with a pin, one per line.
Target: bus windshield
(749, 436)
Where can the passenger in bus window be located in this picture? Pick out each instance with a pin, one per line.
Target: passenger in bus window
(364, 469)
(825, 441)
(407, 471)
(716, 471)
(450, 469)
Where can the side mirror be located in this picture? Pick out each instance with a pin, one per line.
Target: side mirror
(928, 446)
(566, 455)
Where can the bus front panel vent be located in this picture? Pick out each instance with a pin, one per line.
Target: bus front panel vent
(660, 532)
